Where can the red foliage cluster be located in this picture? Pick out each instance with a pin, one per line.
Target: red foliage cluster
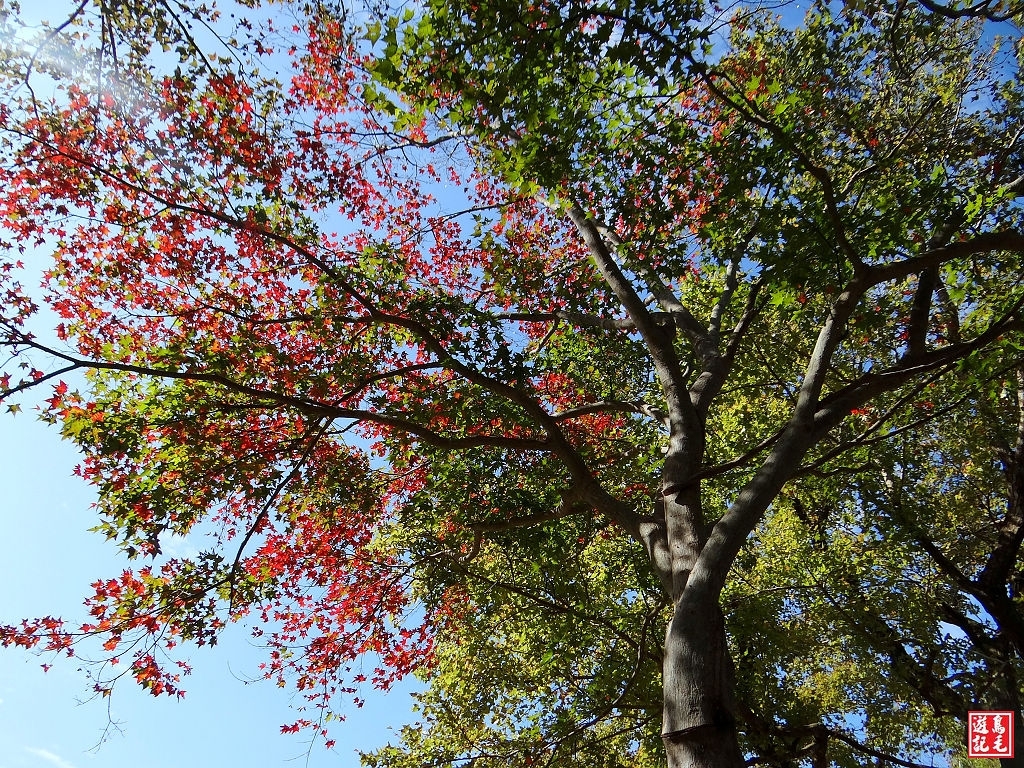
(189, 259)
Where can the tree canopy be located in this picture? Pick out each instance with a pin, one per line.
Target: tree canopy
(643, 376)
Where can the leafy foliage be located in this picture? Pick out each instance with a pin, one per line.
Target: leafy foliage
(642, 375)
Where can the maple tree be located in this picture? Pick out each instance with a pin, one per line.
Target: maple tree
(607, 365)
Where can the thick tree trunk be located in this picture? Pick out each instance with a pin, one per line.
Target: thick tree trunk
(699, 724)
(1010, 702)
(1017, 761)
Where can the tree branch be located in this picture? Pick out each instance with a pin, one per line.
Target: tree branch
(309, 406)
(1010, 530)
(984, 9)
(661, 319)
(1005, 240)
(920, 314)
(317, 433)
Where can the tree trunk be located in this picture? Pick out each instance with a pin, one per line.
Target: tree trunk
(1009, 702)
(699, 723)
(1017, 761)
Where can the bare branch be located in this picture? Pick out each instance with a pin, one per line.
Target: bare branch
(750, 311)
(986, 9)
(920, 314)
(865, 749)
(1005, 240)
